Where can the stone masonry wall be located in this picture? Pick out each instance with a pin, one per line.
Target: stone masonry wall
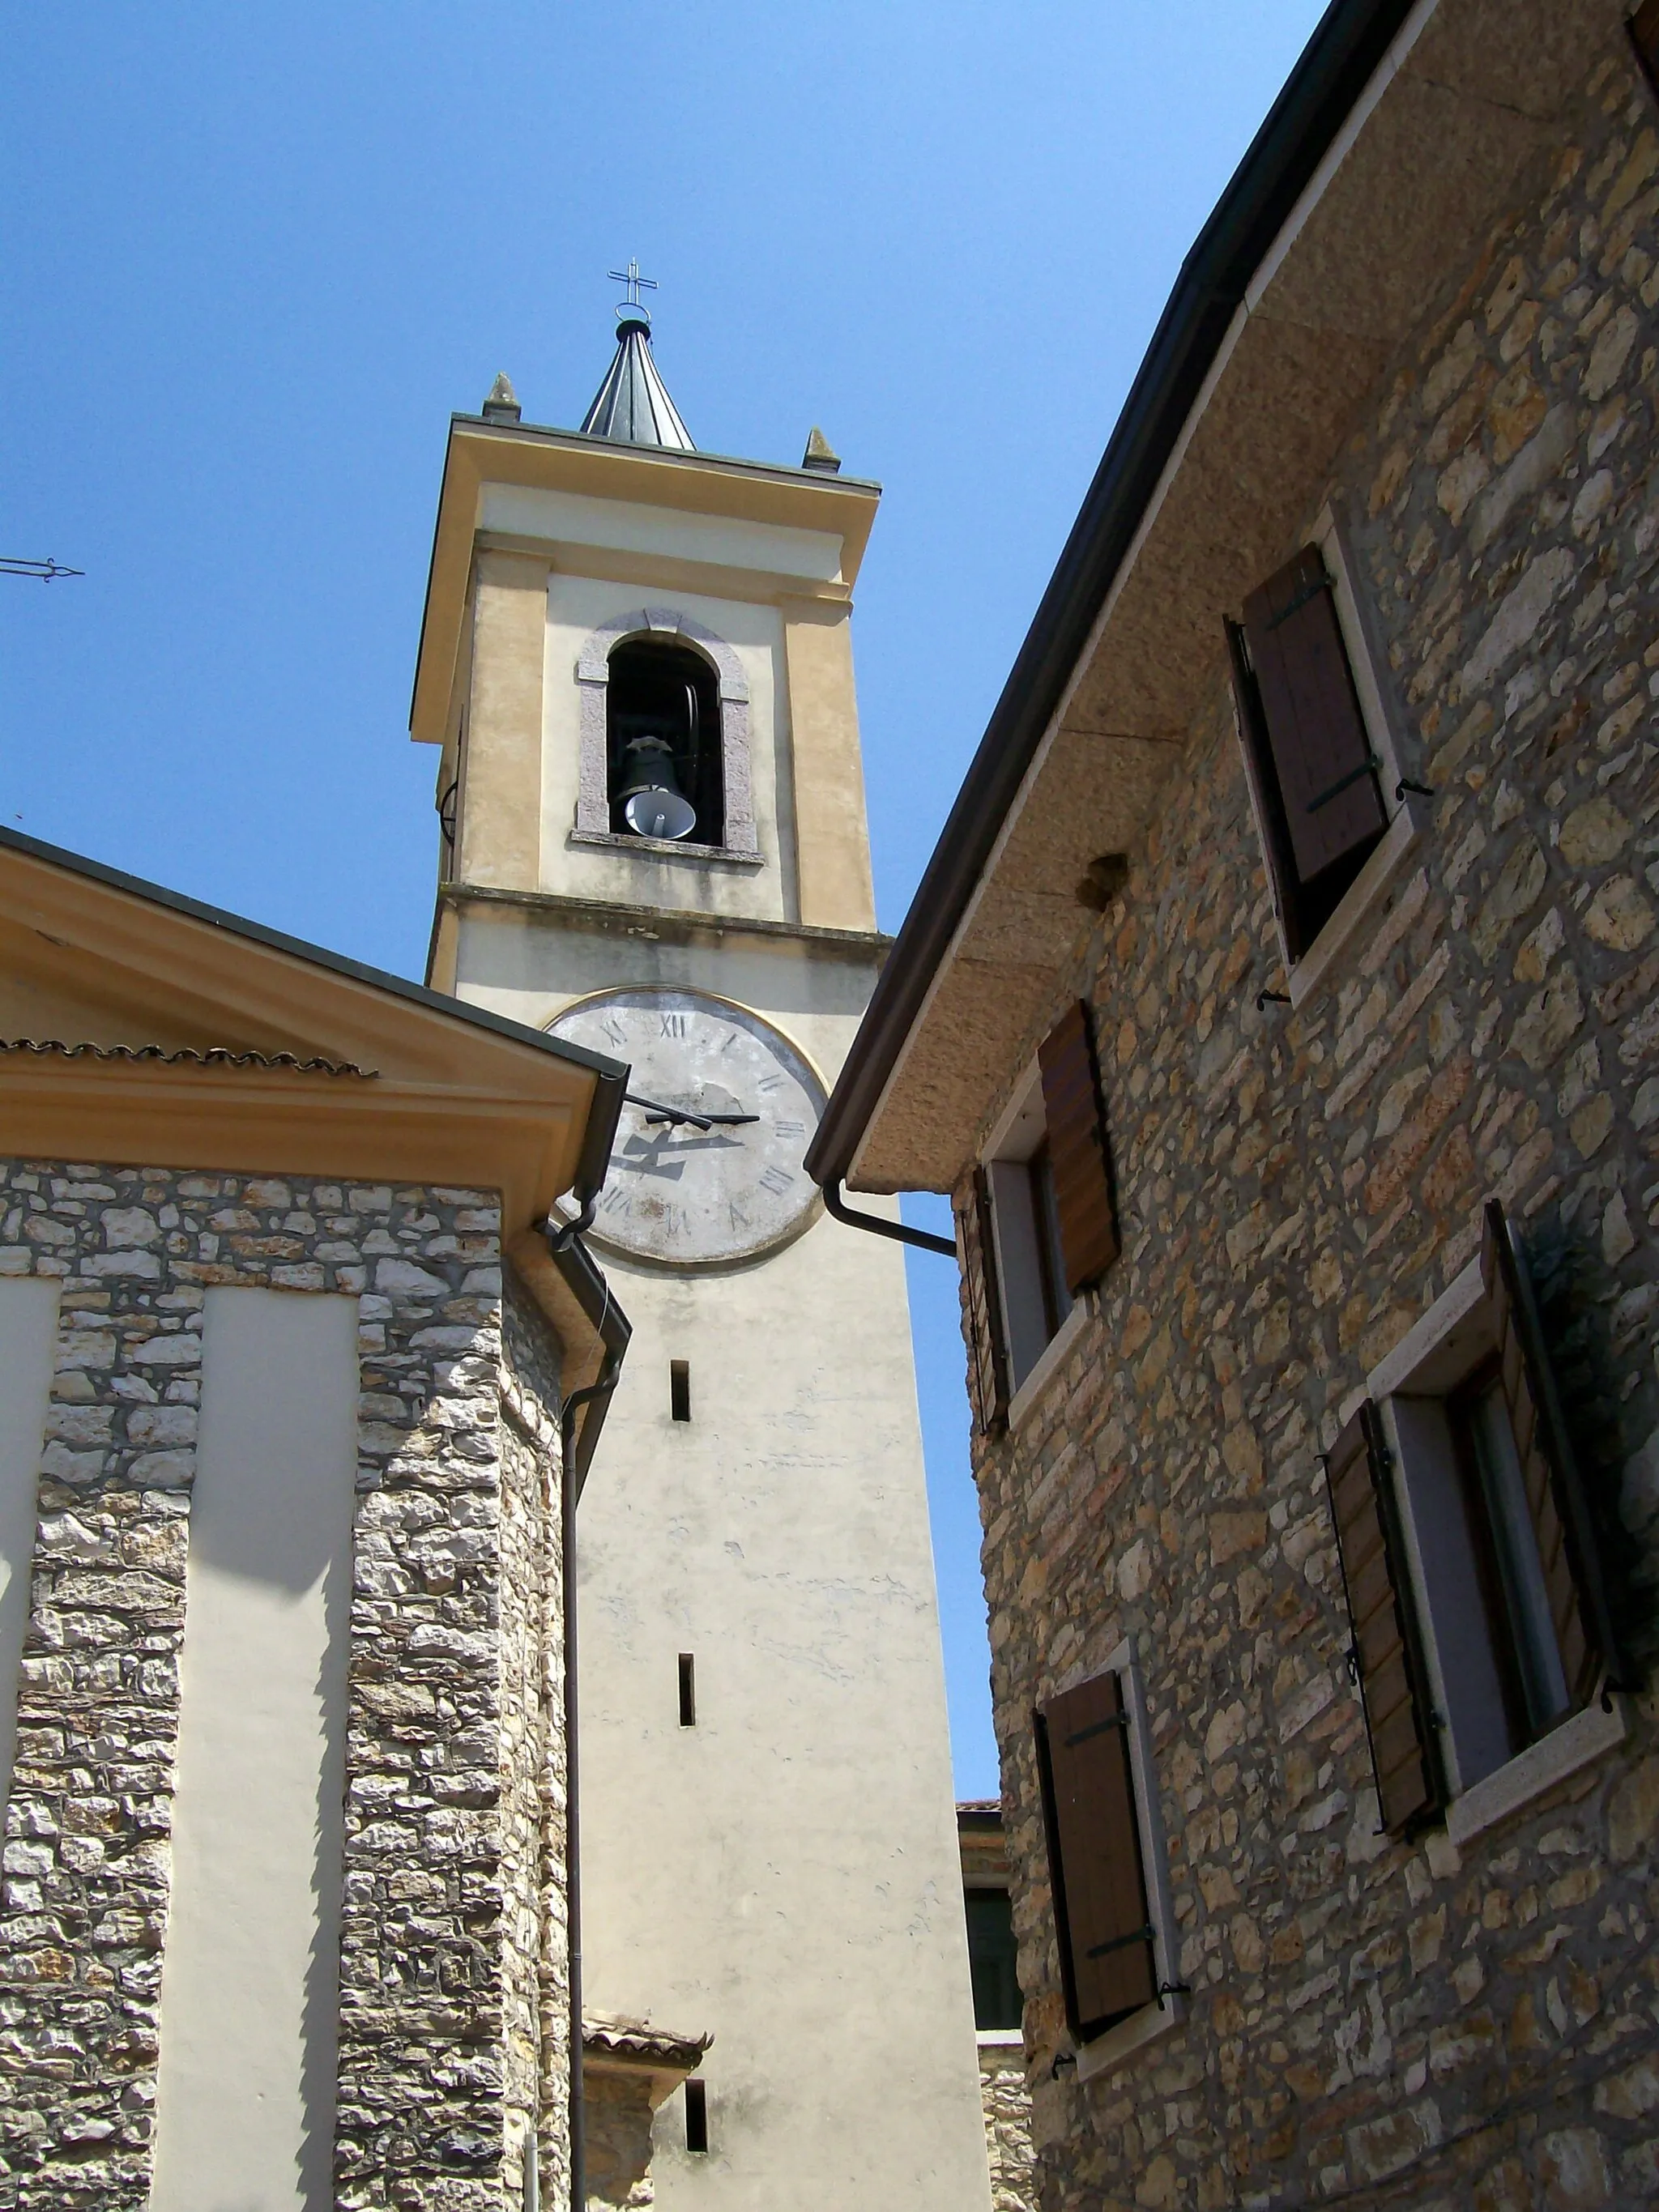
(1373, 2022)
(429, 1858)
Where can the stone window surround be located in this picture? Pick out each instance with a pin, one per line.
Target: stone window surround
(1105, 2053)
(1421, 1357)
(1352, 923)
(1018, 1132)
(593, 786)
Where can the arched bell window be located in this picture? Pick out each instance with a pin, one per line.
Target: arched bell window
(665, 770)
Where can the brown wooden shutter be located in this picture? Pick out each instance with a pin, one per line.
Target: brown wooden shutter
(1079, 1156)
(1264, 788)
(1108, 1965)
(1567, 1546)
(1644, 37)
(987, 1366)
(1387, 1653)
(1321, 750)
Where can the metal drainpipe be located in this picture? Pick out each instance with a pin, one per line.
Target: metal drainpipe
(923, 1239)
(597, 1394)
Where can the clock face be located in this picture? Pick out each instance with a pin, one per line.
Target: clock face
(710, 1170)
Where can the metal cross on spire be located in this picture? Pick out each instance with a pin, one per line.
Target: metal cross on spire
(635, 284)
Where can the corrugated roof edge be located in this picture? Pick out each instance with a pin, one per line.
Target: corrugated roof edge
(1352, 38)
(612, 1073)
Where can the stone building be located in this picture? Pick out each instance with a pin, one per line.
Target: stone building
(1281, 1009)
(295, 1399)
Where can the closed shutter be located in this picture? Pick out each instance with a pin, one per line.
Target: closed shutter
(1264, 789)
(1108, 1964)
(1321, 750)
(987, 1366)
(1644, 36)
(1567, 1547)
(1387, 1652)
(1079, 1157)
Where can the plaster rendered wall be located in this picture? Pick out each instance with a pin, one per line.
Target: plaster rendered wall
(784, 1874)
(445, 1878)
(245, 2091)
(578, 605)
(1375, 2022)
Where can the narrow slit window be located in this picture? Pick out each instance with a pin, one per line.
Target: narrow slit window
(679, 1389)
(688, 1690)
(697, 2118)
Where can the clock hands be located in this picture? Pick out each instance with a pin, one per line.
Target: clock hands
(682, 1117)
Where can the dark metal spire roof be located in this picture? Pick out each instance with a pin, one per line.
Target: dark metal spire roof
(632, 405)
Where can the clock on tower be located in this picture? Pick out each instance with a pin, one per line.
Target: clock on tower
(636, 667)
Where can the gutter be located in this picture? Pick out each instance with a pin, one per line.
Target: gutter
(587, 1285)
(1353, 38)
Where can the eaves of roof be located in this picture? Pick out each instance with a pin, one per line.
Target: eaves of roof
(1352, 40)
(612, 1074)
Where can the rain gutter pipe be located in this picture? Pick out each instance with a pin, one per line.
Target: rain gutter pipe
(580, 1420)
(1353, 38)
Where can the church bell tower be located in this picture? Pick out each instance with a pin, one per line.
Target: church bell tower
(636, 661)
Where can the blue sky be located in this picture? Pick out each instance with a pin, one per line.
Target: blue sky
(256, 256)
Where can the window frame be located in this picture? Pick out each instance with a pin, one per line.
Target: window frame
(1027, 1279)
(1408, 819)
(1447, 1347)
(667, 625)
(1106, 2052)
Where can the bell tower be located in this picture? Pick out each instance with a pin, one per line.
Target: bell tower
(636, 664)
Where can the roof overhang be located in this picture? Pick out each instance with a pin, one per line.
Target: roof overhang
(442, 1092)
(1391, 145)
(483, 453)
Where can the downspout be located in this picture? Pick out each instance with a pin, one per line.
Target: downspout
(901, 1232)
(589, 1405)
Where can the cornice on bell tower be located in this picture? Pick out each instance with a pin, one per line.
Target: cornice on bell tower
(555, 548)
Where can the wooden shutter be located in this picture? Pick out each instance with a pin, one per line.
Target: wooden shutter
(1321, 750)
(988, 1365)
(1644, 37)
(1264, 789)
(1108, 1962)
(1079, 1157)
(1387, 1652)
(1561, 1522)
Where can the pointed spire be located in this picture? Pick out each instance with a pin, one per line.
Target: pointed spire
(502, 404)
(632, 405)
(820, 454)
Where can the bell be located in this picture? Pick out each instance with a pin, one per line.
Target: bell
(652, 803)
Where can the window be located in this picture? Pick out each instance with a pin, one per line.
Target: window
(1107, 1867)
(1038, 1222)
(1324, 781)
(662, 724)
(992, 1959)
(1471, 1562)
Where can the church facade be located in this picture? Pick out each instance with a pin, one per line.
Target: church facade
(329, 1729)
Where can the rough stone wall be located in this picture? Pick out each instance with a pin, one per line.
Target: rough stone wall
(1007, 2103)
(618, 2139)
(537, 1976)
(1374, 2022)
(83, 1920)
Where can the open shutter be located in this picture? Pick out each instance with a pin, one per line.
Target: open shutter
(1321, 750)
(1264, 789)
(1561, 1521)
(987, 1366)
(1108, 1964)
(1387, 1654)
(1644, 37)
(1079, 1157)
